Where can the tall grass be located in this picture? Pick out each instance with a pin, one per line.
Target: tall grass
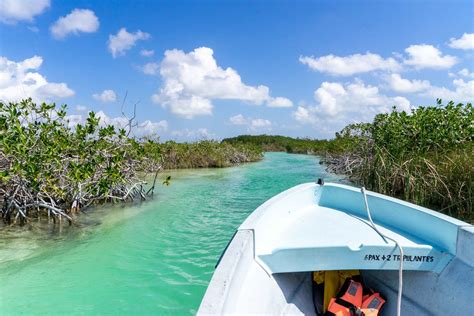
(425, 157)
(205, 154)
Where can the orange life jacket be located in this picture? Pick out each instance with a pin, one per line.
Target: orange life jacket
(352, 292)
(351, 301)
(374, 301)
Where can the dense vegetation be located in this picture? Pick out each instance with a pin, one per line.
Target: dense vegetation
(206, 154)
(291, 145)
(425, 156)
(49, 168)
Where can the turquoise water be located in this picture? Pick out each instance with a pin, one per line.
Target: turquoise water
(150, 259)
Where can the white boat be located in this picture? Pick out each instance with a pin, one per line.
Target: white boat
(267, 266)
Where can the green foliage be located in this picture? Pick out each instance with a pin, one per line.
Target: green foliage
(424, 156)
(425, 130)
(206, 154)
(49, 167)
(289, 144)
(45, 165)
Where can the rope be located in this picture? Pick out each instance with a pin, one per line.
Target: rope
(400, 269)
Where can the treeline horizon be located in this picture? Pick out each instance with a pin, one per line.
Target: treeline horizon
(296, 145)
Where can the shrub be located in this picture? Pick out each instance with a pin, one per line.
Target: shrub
(48, 167)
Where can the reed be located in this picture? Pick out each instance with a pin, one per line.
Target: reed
(424, 157)
(206, 154)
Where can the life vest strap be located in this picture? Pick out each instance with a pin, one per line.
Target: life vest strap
(352, 310)
(344, 303)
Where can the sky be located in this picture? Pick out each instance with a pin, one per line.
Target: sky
(214, 69)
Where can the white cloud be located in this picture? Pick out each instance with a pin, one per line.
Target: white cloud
(147, 53)
(188, 107)
(118, 122)
(279, 102)
(463, 92)
(123, 41)
(146, 128)
(51, 91)
(305, 115)
(350, 65)
(20, 80)
(105, 96)
(338, 104)
(466, 42)
(419, 56)
(149, 128)
(356, 97)
(238, 119)
(12, 11)
(257, 123)
(399, 84)
(78, 21)
(461, 73)
(74, 120)
(252, 124)
(200, 133)
(428, 56)
(192, 80)
(466, 73)
(141, 129)
(150, 69)
(81, 108)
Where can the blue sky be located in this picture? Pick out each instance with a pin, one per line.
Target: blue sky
(216, 69)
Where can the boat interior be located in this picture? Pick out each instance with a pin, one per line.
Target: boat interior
(268, 266)
(242, 286)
